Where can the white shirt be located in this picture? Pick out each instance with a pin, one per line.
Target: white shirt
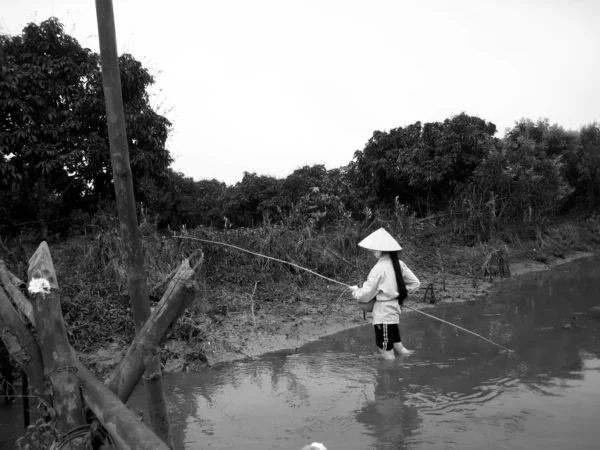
(381, 283)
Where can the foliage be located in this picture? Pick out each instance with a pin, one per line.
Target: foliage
(55, 165)
(177, 201)
(587, 166)
(54, 155)
(300, 183)
(421, 164)
(248, 203)
(522, 179)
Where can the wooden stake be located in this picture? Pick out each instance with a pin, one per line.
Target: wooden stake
(22, 303)
(21, 344)
(59, 363)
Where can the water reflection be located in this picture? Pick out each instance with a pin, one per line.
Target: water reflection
(456, 391)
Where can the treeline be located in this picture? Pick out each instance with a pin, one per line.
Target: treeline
(55, 166)
(456, 168)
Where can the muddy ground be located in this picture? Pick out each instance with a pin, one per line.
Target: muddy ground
(306, 316)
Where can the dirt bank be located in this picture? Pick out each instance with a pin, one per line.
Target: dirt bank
(316, 317)
(309, 315)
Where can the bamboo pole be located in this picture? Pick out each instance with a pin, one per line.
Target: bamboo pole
(59, 363)
(21, 344)
(181, 291)
(122, 177)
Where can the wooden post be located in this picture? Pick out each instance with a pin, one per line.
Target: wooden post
(59, 363)
(131, 243)
(8, 280)
(179, 294)
(21, 344)
(125, 428)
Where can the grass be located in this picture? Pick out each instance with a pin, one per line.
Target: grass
(240, 288)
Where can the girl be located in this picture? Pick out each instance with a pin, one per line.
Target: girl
(389, 283)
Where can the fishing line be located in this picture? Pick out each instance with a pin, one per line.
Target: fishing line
(263, 256)
(338, 282)
(460, 328)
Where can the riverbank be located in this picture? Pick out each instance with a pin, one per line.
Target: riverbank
(313, 314)
(316, 320)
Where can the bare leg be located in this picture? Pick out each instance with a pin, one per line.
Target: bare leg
(401, 349)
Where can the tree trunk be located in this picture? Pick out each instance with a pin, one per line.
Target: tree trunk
(132, 246)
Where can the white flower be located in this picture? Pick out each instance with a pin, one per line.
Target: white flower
(38, 285)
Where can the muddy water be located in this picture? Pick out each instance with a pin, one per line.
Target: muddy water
(455, 392)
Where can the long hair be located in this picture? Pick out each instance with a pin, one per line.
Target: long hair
(402, 292)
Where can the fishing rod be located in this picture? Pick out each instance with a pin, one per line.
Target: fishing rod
(338, 282)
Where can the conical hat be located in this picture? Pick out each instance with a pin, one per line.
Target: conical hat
(380, 240)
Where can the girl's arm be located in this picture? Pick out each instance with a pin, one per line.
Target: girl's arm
(369, 288)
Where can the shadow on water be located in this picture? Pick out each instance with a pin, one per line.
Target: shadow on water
(455, 392)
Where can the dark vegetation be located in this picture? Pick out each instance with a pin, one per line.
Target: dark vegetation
(453, 192)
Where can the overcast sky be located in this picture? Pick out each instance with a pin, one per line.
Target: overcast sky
(270, 86)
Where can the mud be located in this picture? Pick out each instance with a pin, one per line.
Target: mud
(306, 321)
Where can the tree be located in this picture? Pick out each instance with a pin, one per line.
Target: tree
(422, 164)
(54, 154)
(177, 200)
(588, 165)
(376, 170)
(248, 203)
(299, 183)
(518, 180)
(446, 156)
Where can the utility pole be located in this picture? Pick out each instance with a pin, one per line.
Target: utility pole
(132, 253)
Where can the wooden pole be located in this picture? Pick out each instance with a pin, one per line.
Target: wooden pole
(21, 344)
(125, 428)
(181, 291)
(8, 280)
(122, 177)
(59, 363)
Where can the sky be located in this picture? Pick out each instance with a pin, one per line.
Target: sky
(270, 86)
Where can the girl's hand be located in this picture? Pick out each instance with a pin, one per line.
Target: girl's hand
(353, 288)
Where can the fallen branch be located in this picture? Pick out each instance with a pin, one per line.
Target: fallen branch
(181, 291)
(125, 428)
(169, 277)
